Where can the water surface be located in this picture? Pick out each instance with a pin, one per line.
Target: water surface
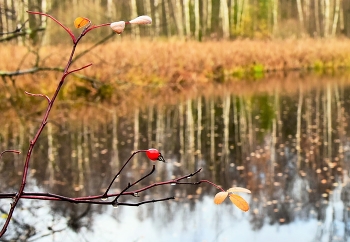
(289, 147)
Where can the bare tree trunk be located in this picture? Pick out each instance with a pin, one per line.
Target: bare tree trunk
(157, 12)
(209, 14)
(274, 16)
(300, 13)
(307, 15)
(243, 10)
(326, 17)
(186, 7)
(317, 17)
(336, 17)
(7, 24)
(178, 17)
(111, 9)
(167, 10)
(133, 9)
(204, 16)
(197, 19)
(146, 7)
(225, 24)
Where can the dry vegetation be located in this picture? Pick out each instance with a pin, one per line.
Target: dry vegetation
(127, 73)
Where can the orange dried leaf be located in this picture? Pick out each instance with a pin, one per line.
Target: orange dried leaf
(238, 189)
(239, 202)
(220, 197)
(80, 22)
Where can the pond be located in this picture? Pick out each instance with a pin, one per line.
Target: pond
(289, 144)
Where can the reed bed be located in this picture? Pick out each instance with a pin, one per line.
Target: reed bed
(164, 62)
(128, 73)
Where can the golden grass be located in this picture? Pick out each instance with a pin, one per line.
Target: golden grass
(145, 62)
(131, 73)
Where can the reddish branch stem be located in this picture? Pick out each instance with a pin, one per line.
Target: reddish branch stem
(121, 169)
(89, 199)
(44, 121)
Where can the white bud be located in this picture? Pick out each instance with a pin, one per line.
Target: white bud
(144, 19)
(118, 26)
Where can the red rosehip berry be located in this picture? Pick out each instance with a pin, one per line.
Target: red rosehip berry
(154, 154)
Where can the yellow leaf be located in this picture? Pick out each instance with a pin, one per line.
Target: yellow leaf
(4, 216)
(238, 189)
(239, 202)
(220, 197)
(80, 22)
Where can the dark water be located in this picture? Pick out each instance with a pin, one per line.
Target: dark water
(291, 149)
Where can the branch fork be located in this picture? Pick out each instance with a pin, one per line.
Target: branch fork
(153, 154)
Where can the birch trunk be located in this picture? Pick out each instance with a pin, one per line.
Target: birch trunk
(186, 7)
(336, 17)
(326, 17)
(224, 19)
(197, 19)
(300, 13)
(133, 10)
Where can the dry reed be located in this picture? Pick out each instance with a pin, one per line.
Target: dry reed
(136, 72)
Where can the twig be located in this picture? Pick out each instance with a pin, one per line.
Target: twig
(9, 151)
(38, 95)
(18, 28)
(118, 174)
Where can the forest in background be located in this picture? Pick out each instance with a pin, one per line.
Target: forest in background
(200, 20)
(169, 59)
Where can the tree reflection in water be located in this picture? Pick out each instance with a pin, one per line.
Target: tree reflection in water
(291, 150)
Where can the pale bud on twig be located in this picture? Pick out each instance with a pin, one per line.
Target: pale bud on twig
(144, 19)
(118, 27)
